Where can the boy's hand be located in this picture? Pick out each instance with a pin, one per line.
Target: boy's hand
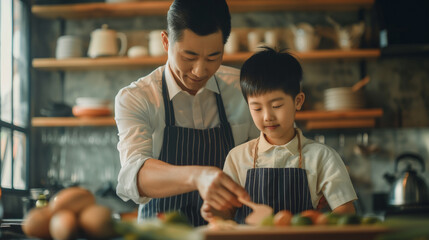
(206, 212)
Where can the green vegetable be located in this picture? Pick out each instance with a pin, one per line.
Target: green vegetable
(370, 220)
(298, 220)
(349, 220)
(268, 221)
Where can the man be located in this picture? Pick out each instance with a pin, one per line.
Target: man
(177, 124)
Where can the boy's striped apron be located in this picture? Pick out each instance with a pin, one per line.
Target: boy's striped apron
(280, 188)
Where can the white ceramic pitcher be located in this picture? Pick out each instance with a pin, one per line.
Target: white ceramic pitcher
(305, 38)
(104, 43)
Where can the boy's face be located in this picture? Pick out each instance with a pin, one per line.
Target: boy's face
(274, 115)
(194, 59)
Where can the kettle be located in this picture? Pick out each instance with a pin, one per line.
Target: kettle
(104, 43)
(408, 190)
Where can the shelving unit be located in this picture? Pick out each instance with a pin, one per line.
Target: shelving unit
(362, 118)
(160, 7)
(109, 63)
(312, 119)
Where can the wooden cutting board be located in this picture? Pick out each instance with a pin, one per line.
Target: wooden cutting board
(297, 233)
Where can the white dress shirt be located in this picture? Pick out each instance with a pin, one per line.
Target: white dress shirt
(326, 172)
(140, 117)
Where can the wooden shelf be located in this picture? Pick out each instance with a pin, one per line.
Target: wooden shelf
(314, 119)
(72, 121)
(115, 63)
(160, 7)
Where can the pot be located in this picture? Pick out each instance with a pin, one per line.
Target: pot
(104, 43)
(408, 189)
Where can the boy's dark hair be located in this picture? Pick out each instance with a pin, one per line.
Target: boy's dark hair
(203, 17)
(270, 70)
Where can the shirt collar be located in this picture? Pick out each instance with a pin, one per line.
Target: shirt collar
(291, 146)
(174, 88)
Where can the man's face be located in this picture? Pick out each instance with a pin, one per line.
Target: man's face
(194, 59)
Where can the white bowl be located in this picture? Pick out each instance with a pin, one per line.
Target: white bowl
(91, 102)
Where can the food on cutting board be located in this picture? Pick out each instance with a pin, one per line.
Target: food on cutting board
(72, 211)
(74, 198)
(349, 219)
(217, 223)
(96, 221)
(282, 218)
(63, 225)
(166, 226)
(36, 223)
(299, 220)
(173, 217)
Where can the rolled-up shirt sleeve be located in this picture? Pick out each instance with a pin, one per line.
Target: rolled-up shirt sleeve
(132, 116)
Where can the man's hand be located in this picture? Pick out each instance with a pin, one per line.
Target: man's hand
(218, 190)
(208, 213)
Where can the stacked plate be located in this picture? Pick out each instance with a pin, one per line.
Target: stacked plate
(91, 107)
(343, 98)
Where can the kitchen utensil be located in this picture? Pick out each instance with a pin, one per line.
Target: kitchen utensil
(343, 98)
(104, 43)
(91, 112)
(407, 190)
(68, 47)
(91, 102)
(305, 38)
(137, 51)
(260, 212)
(347, 37)
(56, 109)
(364, 81)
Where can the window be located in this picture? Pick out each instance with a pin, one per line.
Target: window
(14, 94)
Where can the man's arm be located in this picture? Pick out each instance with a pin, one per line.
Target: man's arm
(159, 179)
(346, 208)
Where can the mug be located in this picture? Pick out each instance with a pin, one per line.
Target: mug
(232, 45)
(271, 38)
(155, 43)
(68, 47)
(254, 40)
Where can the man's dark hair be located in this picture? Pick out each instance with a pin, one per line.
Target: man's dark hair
(202, 17)
(270, 70)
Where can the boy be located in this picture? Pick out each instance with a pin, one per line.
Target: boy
(282, 168)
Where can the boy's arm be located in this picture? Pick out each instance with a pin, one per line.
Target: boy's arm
(346, 208)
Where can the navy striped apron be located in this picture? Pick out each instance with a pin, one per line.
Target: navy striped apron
(187, 146)
(280, 188)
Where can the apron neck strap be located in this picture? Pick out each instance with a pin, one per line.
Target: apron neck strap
(169, 110)
(255, 152)
(168, 105)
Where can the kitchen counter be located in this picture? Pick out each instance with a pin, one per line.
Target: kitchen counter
(298, 232)
(11, 229)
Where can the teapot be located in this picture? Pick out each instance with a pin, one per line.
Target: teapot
(408, 189)
(305, 38)
(104, 43)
